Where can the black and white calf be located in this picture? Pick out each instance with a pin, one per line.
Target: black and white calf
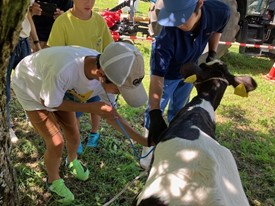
(190, 168)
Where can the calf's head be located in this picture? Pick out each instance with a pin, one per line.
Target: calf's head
(211, 80)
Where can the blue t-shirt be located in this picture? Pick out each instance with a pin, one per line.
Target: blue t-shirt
(174, 47)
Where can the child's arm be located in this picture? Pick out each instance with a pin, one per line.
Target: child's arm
(107, 112)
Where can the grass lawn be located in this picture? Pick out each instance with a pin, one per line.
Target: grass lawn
(245, 125)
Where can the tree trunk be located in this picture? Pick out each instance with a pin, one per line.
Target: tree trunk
(11, 15)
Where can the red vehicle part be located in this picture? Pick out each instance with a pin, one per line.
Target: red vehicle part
(111, 17)
(124, 26)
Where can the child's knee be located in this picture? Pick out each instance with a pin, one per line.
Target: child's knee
(55, 144)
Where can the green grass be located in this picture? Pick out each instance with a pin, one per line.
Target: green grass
(245, 125)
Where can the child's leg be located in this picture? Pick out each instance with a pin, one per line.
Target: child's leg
(94, 119)
(95, 122)
(68, 122)
(46, 125)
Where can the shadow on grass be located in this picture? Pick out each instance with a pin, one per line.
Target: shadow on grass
(253, 151)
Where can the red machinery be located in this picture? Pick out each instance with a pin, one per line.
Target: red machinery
(124, 25)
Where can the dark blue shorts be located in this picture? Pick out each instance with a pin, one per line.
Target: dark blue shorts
(93, 99)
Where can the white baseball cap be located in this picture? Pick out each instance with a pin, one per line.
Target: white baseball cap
(123, 65)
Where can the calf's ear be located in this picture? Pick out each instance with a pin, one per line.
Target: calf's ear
(243, 85)
(189, 72)
(241, 90)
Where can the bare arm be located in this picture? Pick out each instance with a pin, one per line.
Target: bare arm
(155, 91)
(107, 112)
(34, 33)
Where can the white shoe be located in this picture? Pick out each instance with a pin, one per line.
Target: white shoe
(146, 162)
(13, 137)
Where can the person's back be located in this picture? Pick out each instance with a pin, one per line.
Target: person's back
(64, 67)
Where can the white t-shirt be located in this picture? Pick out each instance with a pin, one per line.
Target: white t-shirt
(26, 28)
(50, 73)
(26, 25)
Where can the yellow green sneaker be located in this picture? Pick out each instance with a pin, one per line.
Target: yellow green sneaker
(78, 170)
(61, 192)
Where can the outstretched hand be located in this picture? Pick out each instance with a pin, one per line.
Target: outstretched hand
(157, 126)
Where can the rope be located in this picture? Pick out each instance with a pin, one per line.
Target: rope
(135, 151)
(213, 78)
(124, 131)
(125, 188)
(131, 142)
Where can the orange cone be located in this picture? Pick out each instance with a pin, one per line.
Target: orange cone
(271, 74)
